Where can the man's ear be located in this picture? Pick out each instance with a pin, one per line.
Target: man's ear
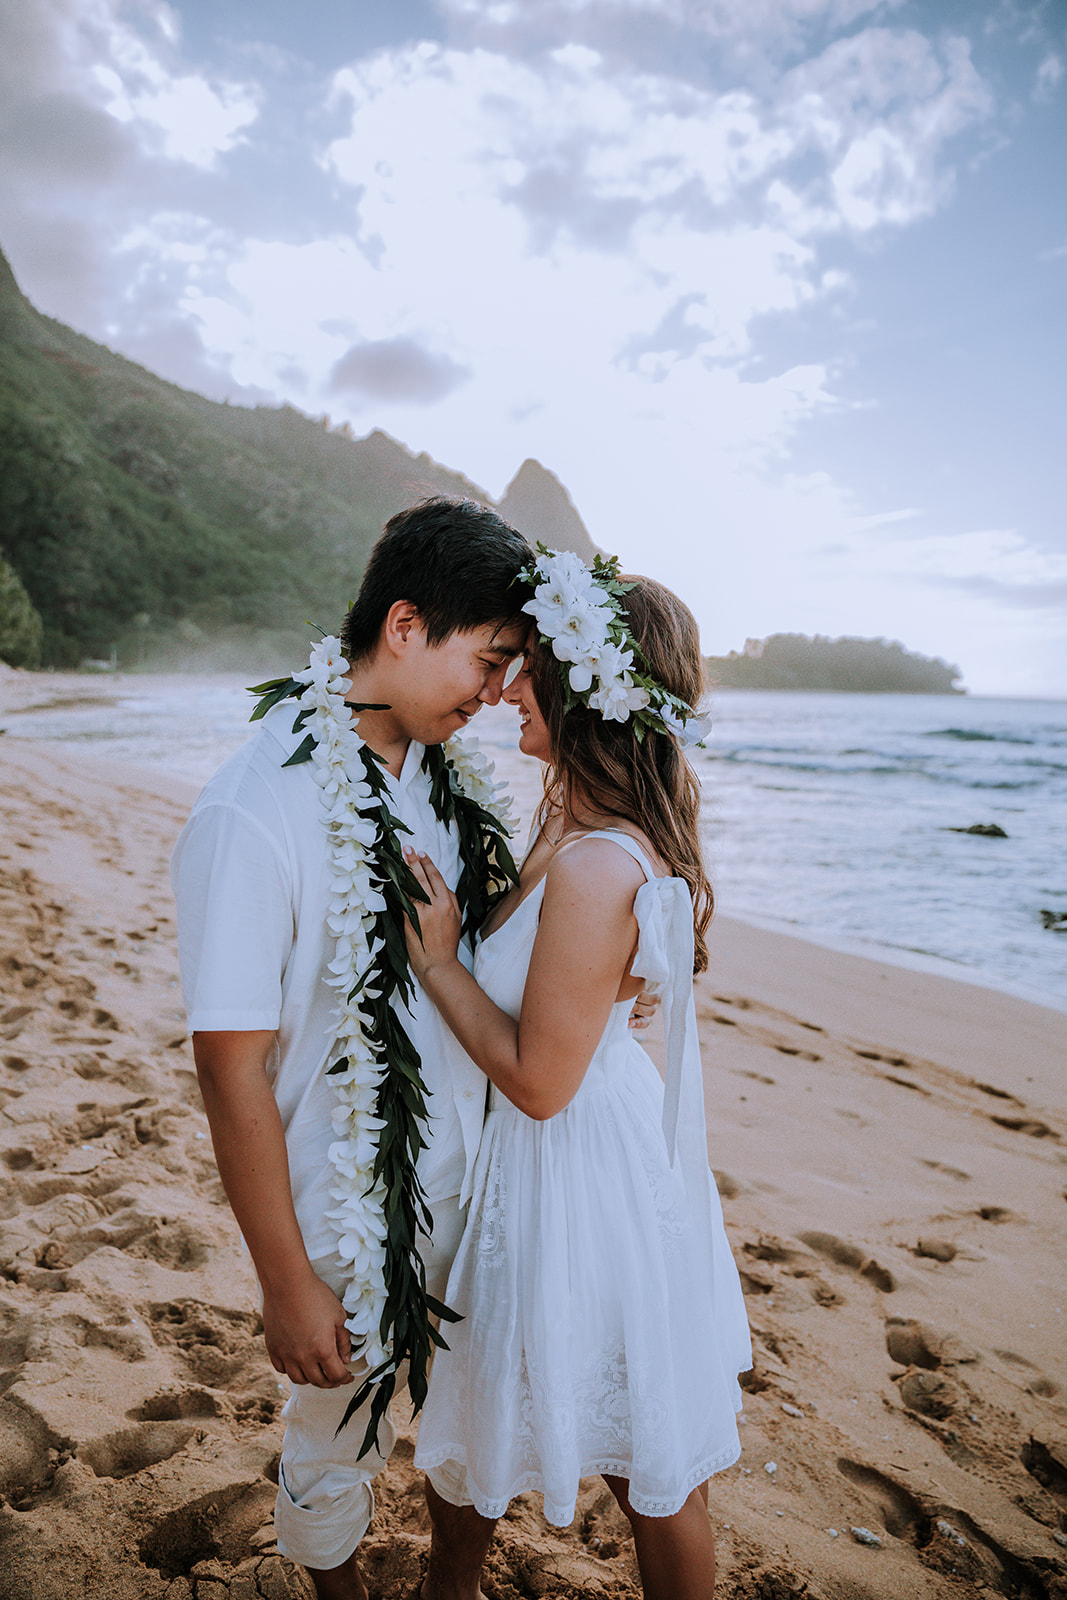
(402, 625)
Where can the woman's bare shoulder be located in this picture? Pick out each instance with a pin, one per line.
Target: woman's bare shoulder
(595, 868)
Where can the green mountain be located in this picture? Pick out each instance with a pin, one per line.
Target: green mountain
(140, 517)
(863, 666)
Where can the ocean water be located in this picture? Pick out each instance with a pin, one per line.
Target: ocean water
(833, 815)
(826, 815)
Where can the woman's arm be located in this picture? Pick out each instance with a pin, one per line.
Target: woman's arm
(585, 942)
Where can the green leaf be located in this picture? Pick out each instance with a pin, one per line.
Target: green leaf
(302, 752)
(273, 693)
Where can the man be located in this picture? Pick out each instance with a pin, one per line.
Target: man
(437, 621)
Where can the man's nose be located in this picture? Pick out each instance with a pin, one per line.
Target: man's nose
(513, 674)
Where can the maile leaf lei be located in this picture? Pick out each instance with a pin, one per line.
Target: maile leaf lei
(381, 1114)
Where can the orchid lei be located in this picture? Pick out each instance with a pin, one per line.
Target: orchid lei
(381, 1112)
(578, 616)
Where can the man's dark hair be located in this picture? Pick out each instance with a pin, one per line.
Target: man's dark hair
(455, 561)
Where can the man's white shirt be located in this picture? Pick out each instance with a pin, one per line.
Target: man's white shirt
(251, 875)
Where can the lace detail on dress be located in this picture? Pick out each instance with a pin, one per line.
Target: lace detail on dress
(488, 1221)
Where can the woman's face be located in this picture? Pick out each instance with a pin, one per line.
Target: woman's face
(533, 732)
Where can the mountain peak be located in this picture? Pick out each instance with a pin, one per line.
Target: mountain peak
(538, 505)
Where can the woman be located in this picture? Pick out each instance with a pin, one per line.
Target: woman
(603, 1325)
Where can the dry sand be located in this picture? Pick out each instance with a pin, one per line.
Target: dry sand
(893, 1167)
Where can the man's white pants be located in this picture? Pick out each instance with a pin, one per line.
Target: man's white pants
(325, 1500)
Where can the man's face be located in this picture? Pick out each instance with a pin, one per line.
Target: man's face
(447, 684)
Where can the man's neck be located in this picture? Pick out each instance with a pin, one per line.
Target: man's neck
(381, 730)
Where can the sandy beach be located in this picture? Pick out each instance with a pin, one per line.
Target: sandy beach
(892, 1154)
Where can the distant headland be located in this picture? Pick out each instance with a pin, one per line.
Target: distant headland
(142, 525)
(858, 666)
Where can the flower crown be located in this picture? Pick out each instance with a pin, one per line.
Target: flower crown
(578, 615)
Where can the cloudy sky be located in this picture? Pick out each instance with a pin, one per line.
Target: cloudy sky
(776, 287)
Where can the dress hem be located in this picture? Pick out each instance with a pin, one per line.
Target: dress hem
(557, 1514)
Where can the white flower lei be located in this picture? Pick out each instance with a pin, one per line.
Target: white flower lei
(578, 614)
(354, 834)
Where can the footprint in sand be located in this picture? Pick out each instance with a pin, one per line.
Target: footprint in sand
(24, 1450)
(949, 1539)
(876, 1055)
(998, 1214)
(1044, 1387)
(1046, 1460)
(950, 1172)
(1028, 1125)
(911, 1343)
(216, 1344)
(901, 1513)
(738, 1005)
(222, 1527)
(770, 1261)
(130, 1450)
(997, 1094)
(851, 1256)
(13, 1018)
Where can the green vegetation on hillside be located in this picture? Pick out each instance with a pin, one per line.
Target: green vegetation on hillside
(142, 516)
(859, 666)
(20, 626)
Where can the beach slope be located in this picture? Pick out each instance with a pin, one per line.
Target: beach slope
(892, 1159)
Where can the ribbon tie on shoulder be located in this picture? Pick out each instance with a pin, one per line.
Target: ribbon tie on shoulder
(664, 911)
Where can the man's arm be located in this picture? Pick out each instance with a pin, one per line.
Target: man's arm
(303, 1321)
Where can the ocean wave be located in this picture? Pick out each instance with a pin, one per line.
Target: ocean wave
(976, 736)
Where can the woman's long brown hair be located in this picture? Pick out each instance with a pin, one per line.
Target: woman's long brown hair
(649, 782)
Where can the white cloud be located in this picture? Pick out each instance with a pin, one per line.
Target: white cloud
(577, 255)
(880, 108)
(94, 55)
(1049, 77)
(719, 18)
(194, 120)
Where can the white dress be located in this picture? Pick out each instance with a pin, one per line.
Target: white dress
(603, 1323)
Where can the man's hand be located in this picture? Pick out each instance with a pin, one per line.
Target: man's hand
(644, 1008)
(306, 1337)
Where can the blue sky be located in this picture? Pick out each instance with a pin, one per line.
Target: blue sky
(776, 287)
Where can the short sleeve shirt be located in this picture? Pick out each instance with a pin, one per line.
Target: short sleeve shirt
(251, 874)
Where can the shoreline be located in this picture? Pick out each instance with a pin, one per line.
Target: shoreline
(220, 713)
(518, 772)
(898, 956)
